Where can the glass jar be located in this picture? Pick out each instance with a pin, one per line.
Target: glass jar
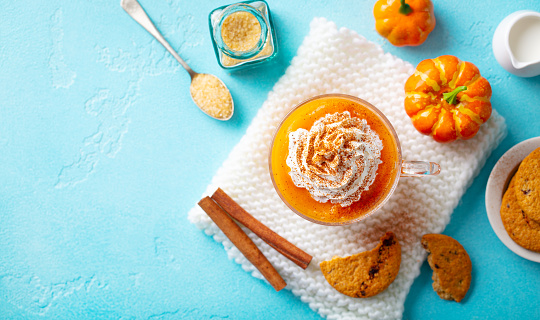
(243, 34)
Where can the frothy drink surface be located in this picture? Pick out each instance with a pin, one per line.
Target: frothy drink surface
(300, 198)
(336, 159)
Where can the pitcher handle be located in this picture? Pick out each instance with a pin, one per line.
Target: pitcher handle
(419, 168)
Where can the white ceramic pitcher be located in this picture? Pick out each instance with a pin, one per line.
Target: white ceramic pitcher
(516, 43)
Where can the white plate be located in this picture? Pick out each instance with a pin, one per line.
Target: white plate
(496, 186)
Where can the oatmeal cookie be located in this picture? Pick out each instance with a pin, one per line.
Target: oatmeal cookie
(365, 274)
(527, 185)
(523, 230)
(451, 266)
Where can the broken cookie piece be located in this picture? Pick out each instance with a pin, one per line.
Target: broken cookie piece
(451, 266)
(365, 274)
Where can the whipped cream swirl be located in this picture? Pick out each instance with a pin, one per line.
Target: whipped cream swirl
(336, 160)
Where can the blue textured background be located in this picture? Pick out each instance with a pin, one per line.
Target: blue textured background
(102, 153)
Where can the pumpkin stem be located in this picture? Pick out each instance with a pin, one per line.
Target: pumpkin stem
(405, 8)
(451, 97)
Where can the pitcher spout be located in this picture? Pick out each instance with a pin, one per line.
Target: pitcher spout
(524, 65)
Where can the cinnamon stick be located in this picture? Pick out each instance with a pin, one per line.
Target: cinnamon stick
(289, 250)
(241, 240)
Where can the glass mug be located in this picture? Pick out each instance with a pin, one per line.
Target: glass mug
(393, 167)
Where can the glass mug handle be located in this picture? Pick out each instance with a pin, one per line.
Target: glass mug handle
(419, 168)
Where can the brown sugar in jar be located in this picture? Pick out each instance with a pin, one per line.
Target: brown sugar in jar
(243, 34)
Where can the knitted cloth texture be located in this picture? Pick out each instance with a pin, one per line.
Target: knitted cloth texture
(332, 60)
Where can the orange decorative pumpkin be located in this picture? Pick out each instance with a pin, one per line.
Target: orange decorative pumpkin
(404, 24)
(447, 98)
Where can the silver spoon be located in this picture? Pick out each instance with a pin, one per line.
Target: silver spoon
(134, 9)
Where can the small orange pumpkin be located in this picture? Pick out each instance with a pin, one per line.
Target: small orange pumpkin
(404, 24)
(447, 98)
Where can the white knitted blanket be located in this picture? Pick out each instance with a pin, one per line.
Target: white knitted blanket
(341, 61)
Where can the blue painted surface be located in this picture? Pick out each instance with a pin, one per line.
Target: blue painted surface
(102, 154)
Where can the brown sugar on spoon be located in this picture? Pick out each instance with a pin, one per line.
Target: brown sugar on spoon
(212, 96)
(451, 266)
(365, 274)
